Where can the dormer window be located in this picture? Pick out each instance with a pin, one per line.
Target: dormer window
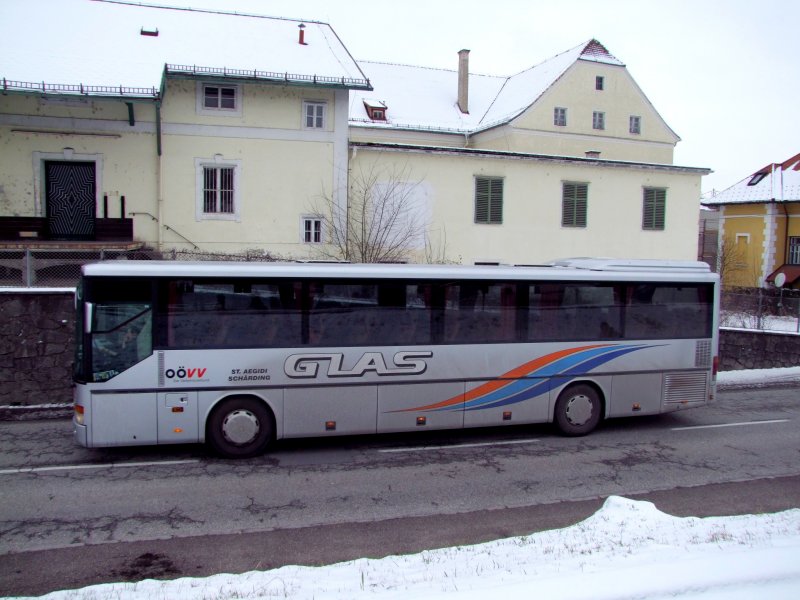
(376, 110)
(756, 179)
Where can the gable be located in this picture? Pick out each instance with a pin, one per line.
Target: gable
(427, 99)
(619, 99)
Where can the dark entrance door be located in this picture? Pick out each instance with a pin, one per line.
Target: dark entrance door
(70, 199)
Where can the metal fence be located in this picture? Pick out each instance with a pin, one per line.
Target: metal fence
(770, 310)
(53, 268)
(62, 268)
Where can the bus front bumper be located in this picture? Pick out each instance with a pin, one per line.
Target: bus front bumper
(80, 433)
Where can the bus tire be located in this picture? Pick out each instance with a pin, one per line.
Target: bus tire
(578, 410)
(240, 427)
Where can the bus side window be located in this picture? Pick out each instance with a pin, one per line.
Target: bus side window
(122, 336)
(480, 313)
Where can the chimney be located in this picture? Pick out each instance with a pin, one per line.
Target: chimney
(463, 81)
(302, 38)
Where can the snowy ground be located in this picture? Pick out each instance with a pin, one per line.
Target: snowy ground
(739, 320)
(626, 550)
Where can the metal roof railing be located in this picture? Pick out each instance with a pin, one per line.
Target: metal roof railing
(78, 89)
(322, 80)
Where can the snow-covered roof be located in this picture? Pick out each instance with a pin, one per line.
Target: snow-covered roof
(426, 99)
(108, 46)
(775, 182)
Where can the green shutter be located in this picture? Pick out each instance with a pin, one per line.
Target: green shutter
(654, 209)
(488, 200)
(574, 204)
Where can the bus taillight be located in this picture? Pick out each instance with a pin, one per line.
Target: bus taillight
(79, 414)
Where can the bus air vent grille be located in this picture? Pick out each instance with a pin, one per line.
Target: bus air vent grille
(161, 377)
(702, 354)
(685, 387)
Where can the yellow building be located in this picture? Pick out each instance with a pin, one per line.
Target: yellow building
(262, 143)
(759, 227)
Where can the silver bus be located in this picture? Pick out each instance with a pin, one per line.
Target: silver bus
(238, 355)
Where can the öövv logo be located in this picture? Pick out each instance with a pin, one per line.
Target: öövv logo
(192, 373)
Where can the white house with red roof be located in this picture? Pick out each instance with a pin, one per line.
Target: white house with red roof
(759, 226)
(181, 128)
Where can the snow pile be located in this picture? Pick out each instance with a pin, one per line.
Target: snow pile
(758, 377)
(628, 549)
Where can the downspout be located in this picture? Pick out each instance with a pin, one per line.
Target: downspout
(785, 224)
(159, 178)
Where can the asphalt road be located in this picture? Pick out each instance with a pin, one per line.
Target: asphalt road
(70, 516)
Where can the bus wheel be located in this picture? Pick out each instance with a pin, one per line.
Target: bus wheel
(239, 428)
(578, 410)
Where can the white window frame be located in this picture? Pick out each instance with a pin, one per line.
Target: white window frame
(200, 164)
(635, 124)
(598, 120)
(599, 83)
(320, 114)
(317, 229)
(560, 116)
(794, 250)
(202, 109)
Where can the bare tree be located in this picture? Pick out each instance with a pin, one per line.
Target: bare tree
(731, 262)
(381, 221)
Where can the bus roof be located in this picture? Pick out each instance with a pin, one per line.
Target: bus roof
(567, 269)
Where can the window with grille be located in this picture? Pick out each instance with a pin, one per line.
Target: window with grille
(314, 115)
(218, 193)
(312, 230)
(635, 124)
(218, 190)
(794, 250)
(488, 200)
(598, 120)
(574, 202)
(560, 117)
(654, 209)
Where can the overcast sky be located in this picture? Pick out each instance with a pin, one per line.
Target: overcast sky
(723, 74)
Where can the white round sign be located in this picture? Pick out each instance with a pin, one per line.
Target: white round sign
(780, 279)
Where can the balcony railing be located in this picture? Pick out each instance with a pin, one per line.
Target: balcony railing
(34, 229)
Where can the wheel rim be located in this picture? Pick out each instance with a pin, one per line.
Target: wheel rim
(579, 410)
(240, 427)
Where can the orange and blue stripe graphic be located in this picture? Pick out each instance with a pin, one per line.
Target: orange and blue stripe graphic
(534, 378)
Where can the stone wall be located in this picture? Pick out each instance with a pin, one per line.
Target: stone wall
(36, 347)
(37, 329)
(739, 349)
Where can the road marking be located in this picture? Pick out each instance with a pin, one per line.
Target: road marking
(452, 446)
(773, 421)
(99, 466)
